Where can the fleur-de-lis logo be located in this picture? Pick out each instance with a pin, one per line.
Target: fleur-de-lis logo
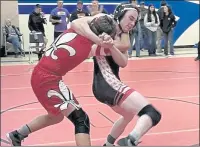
(61, 42)
(65, 95)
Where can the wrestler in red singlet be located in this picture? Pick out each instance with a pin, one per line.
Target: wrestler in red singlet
(66, 53)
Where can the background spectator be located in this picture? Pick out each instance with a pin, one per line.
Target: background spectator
(143, 36)
(151, 21)
(95, 8)
(13, 37)
(167, 25)
(160, 13)
(36, 20)
(60, 18)
(79, 12)
(35, 24)
(135, 35)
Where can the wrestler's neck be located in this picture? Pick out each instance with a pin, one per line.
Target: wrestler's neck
(119, 31)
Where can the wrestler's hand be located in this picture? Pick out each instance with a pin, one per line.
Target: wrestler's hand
(105, 37)
(107, 41)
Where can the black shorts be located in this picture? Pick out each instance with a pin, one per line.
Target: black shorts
(107, 87)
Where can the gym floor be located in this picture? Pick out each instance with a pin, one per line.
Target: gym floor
(171, 84)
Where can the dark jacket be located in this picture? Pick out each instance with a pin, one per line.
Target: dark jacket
(168, 22)
(36, 22)
(77, 12)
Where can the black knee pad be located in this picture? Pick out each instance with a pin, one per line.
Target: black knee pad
(81, 121)
(151, 112)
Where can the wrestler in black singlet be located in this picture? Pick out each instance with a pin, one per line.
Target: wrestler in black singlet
(103, 91)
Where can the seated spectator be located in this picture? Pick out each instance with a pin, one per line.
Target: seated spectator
(151, 21)
(79, 12)
(167, 25)
(35, 24)
(13, 37)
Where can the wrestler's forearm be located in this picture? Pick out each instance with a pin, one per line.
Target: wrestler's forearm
(119, 58)
(124, 43)
(84, 30)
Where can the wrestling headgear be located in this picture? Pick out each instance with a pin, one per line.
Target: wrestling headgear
(120, 11)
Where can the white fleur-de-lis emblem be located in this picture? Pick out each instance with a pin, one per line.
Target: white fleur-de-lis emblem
(61, 42)
(65, 95)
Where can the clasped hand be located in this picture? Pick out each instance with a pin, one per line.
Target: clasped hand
(106, 40)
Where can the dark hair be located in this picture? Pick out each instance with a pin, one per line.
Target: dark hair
(149, 14)
(163, 3)
(37, 6)
(103, 24)
(169, 9)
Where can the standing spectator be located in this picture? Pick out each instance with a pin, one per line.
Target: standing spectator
(35, 24)
(143, 36)
(79, 12)
(135, 35)
(60, 18)
(135, 40)
(167, 25)
(95, 8)
(151, 21)
(159, 31)
(198, 56)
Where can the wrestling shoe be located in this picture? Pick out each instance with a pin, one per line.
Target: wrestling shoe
(108, 145)
(127, 141)
(15, 138)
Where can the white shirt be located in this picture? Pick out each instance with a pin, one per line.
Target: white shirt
(153, 26)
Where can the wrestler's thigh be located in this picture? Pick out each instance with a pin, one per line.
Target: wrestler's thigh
(134, 103)
(123, 112)
(56, 98)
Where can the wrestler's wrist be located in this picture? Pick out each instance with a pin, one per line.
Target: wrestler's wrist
(96, 40)
(113, 47)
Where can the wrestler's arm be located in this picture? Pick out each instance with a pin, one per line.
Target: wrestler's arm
(123, 43)
(121, 58)
(81, 26)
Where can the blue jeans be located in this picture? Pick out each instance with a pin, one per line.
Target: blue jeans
(136, 45)
(143, 37)
(14, 40)
(136, 35)
(151, 42)
(168, 37)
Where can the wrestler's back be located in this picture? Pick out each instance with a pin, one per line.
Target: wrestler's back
(71, 50)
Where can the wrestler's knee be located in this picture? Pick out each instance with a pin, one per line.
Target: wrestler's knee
(151, 111)
(81, 121)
